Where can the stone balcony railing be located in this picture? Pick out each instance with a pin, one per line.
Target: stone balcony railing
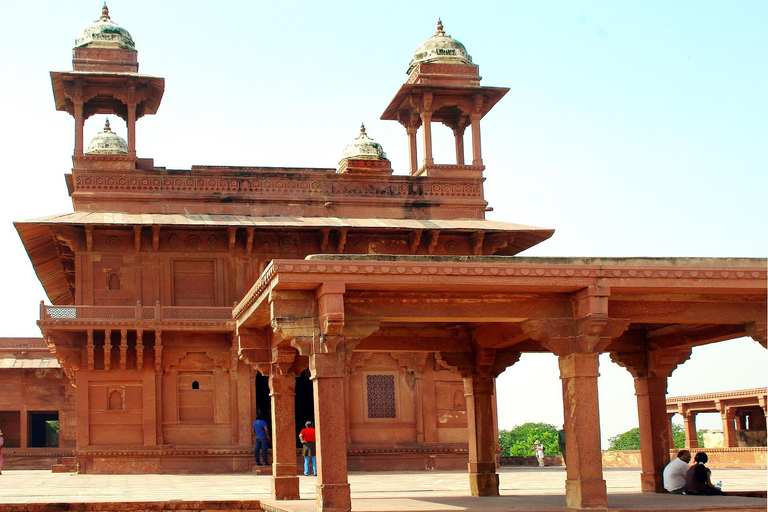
(136, 316)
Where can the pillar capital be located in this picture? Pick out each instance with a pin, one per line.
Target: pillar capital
(652, 363)
(590, 334)
(483, 362)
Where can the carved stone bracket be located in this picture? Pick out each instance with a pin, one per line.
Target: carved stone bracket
(483, 362)
(654, 363)
(562, 336)
(254, 349)
(757, 331)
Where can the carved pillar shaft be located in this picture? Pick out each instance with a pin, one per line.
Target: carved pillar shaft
(584, 487)
(458, 134)
(139, 349)
(412, 151)
(654, 430)
(477, 153)
(132, 129)
(285, 482)
(123, 348)
(79, 125)
(107, 349)
(483, 480)
(691, 441)
(730, 440)
(426, 123)
(90, 349)
(333, 493)
(671, 432)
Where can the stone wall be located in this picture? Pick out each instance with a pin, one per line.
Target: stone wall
(718, 457)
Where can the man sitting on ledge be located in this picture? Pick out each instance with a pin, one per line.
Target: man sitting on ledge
(674, 473)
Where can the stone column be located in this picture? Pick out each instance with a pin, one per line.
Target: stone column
(426, 123)
(578, 342)
(132, 124)
(285, 482)
(412, 152)
(477, 153)
(483, 479)
(584, 486)
(77, 100)
(650, 370)
(730, 440)
(458, 135)
(479, 369)
(333, 493)
(671, 431)
(689, 421)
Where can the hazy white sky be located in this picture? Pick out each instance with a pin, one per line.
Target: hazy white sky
(632, 128)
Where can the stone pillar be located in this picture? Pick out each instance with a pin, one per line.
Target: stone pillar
(285, 482)
(333, 493)
(483, 479)
(477, 153)
(412, 152)
(691, 439)
(79, 119)
(426, 123)
(730, 440)
(479, 369)
(654, 431)
(650, 370)
(458, 135)
(671, 431)
(132, 126)
(578, 342)
(584, 485)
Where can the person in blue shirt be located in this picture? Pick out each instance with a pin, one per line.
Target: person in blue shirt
(261, 429)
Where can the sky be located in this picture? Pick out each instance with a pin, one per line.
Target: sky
(631, 128)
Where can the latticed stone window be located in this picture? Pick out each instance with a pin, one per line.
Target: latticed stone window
(381, 396)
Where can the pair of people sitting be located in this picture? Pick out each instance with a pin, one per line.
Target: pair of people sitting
(680, 478)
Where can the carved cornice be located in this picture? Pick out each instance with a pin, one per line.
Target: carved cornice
(741, 393)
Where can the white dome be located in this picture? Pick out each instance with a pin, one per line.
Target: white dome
(364, 147)
(107, 143)
(440, 48)
(105, 33)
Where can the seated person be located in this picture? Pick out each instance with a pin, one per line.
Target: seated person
(674, 473)
(697, 480)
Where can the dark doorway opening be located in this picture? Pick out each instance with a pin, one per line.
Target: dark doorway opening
(43, 429)
(263, 400)
(304, 401)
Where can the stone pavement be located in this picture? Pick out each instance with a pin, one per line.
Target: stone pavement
(524, 489)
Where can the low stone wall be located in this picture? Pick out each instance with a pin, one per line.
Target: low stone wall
(755, 457)
(33, 458)
(549, 460)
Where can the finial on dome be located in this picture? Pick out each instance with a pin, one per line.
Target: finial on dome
(362, 129)
(106, 126)
(105, 12)
(439, 26)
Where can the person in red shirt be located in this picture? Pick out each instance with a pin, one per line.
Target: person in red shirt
(307, 438)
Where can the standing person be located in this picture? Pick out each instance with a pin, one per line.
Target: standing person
(1, 452)
(261, 429)
(675, 472)
(561, 443)
(539, 449)
(307, 438)
(697, 479)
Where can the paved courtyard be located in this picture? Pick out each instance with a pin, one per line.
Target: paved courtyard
(521, 489)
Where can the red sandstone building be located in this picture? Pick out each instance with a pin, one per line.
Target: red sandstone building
(382, 306)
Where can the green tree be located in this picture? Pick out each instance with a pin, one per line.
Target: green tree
(519, 441)
(630, 440)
